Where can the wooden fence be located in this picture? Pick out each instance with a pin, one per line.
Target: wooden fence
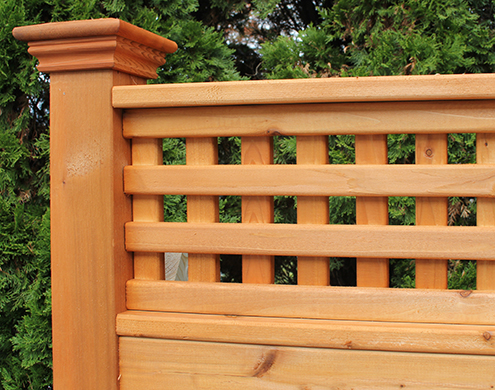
(118, 324)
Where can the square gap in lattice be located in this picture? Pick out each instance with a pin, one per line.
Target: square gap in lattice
(341, 149)
(401, 148)
(462, 274)
(462, 211)
(402, 210)
(461, 148)
(229, 150)
(174, 151)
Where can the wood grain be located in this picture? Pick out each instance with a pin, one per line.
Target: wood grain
(335, 89)
(96, 44)
(372, 272)
(202, 267)
(431, 149)
(333, 303)
(149, 363)
(88, 210)
(147, 208)
(313, 180)
(356, 335)
(312, 119)
(312, 210)
(257, 209)
(485, 154)
(424, 242)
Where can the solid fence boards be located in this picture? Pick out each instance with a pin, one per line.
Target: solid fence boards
(336, 303)
(357, 335)
(321, 90)
(149, 363)
(423, 242)
(426, 117)
(312, 180)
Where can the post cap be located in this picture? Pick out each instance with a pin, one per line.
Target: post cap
(96, 44)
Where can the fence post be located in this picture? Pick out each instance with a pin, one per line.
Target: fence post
(90, 266)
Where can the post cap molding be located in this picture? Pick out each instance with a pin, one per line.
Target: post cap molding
(96, 44)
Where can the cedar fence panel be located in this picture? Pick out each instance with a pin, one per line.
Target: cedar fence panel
(118, 324)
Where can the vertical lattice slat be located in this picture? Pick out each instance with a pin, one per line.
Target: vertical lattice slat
(372, 149)
(312, 209)
(147, 208)
(257, 209)
(431, 149)
(485, 213)
(202, 267)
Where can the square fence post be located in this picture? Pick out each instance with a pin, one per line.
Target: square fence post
(90, 266)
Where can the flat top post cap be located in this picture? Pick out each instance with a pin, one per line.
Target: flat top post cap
(93, 28)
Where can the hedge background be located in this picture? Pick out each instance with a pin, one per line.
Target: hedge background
(219, 40)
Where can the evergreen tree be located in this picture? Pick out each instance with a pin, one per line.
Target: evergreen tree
(218, 40)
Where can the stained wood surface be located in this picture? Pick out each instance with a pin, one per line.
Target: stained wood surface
(312, 119)
(335, 89)
(431, 149)
(460, 242)
(257, 209)
(313, 180)
(88, 210)
(96, 44)
(372, 272)
(312, 210)
(149, 363)
(337, 303)
(147, 208)
(202, 267)
(356, 335)
(485, 154)
(93, 28)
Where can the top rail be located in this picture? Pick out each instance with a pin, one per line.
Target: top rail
(355, 89)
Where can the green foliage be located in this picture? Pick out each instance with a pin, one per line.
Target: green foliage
(221, 40)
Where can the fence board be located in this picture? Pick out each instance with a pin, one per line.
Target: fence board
(337, 303)
(149, 363)
(424, 242)
(312, 209)
(257, 209)
(313, 119)
(485, 154)
(313, 180)
(347, 89)
(372, 272)
(356, 335)
(147, 208)
(431, 149)
(202, 267)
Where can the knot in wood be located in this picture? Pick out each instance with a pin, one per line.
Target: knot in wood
(429, 152)
(487, 335)
(465, 293)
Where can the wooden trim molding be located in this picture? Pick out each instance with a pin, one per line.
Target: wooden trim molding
(96, 44)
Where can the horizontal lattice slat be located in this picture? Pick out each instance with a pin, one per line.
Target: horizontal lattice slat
(313, 119)
(437, 242)
(313, 180)
(336, 303)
